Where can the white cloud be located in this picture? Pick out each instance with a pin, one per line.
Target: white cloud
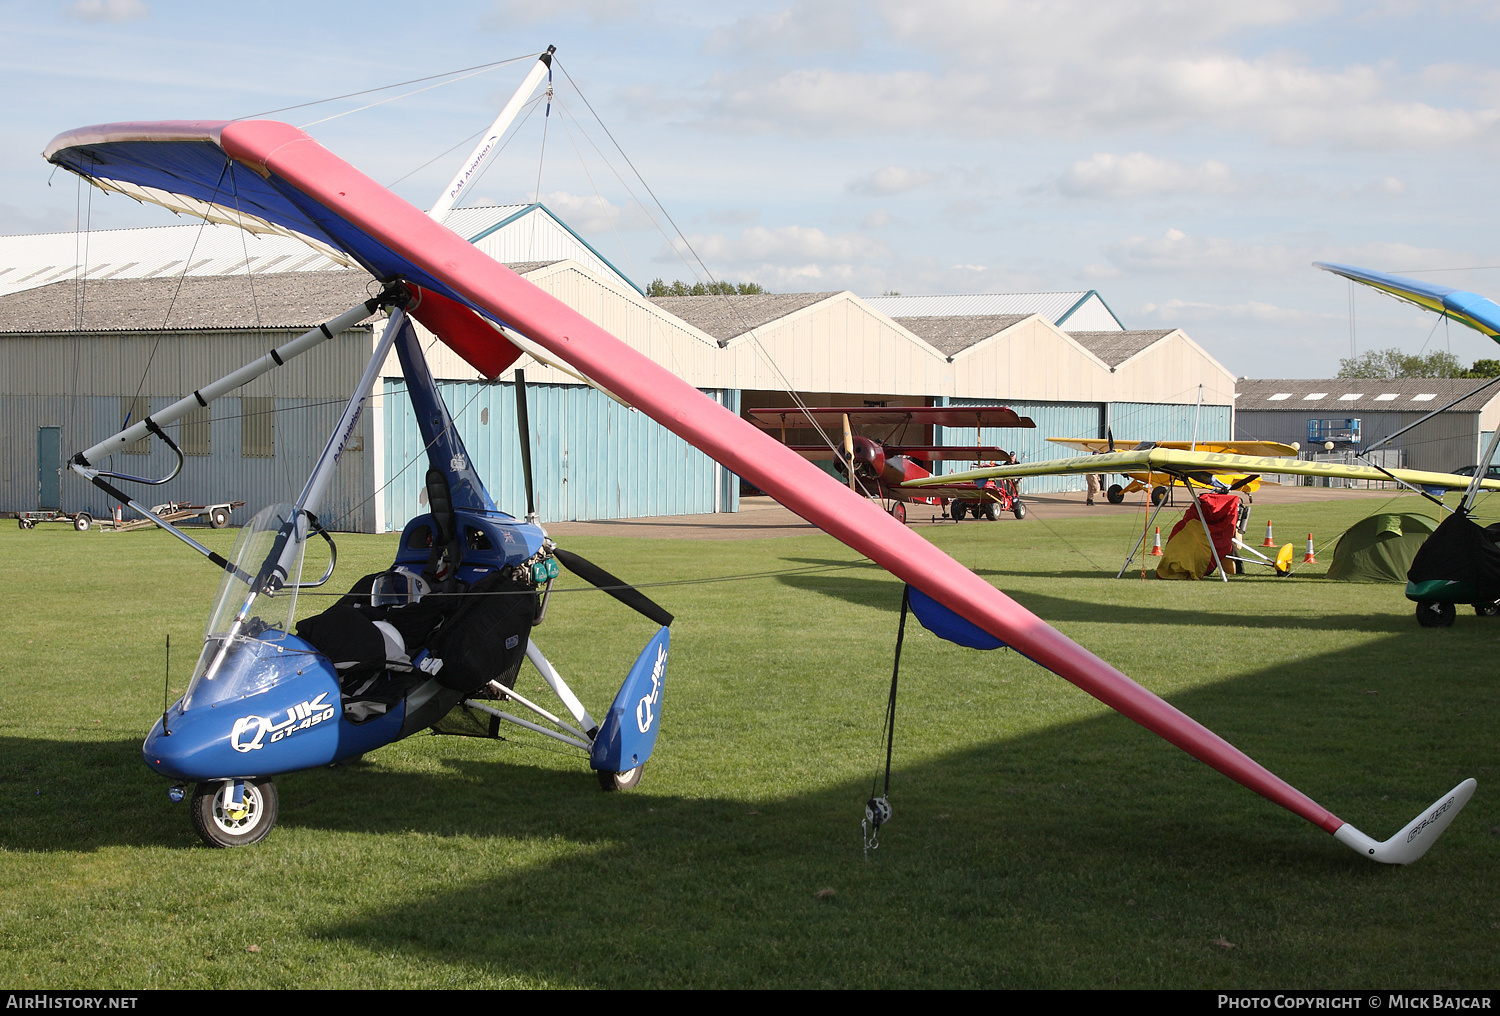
(508, 14)
(1071, 67)
(890, 180)
(117, 11)
(589, 213)
(1106, 175)
(817, 27)
(787, 244)
(1176, 311)
(876, 219)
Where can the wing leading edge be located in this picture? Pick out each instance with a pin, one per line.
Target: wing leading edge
(1166, 460)
(392, 238)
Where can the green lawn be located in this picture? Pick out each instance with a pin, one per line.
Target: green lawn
(1038, 838)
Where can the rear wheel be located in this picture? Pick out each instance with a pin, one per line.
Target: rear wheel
(1435, 614)
(1488, 609)
(1018, 508)
(991, 511)
(82, 521)
(218, 518)
(1115, 494)
(220, 824)
(610, 782)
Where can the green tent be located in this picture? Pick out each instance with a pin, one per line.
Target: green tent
(1380, 548)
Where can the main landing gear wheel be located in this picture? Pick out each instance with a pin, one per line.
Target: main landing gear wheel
(1488, 609)
(898, 512)
(220, 825)
(1435, 614)
(1158, 495)
(23, 523)
(1018, 509)
(82, 521)
(1115, 494)
(610, 782)
(218, 518)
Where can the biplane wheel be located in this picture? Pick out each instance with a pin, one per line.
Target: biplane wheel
(1435, 613)
(1488, 609)
(1158, 495)
(1115, 494)
(82, 521)
(219, 828)
(610, 782)
(1018, 508)
(218, 518)
(898, 511)
(991, 512)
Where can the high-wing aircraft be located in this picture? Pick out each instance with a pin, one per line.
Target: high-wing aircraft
(1196, 470)
(1460, 562)
(1160, 484)
(265, 701)
(881, 467)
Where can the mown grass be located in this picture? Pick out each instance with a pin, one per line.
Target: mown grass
(1038, 838)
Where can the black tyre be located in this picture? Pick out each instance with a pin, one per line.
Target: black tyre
(1488, 609)
(83, 521)
(960, 509)
(991, 512)
(1018, 508)
(1158, 495)
(611, 782)
(1115, 494)
(1435, 614)
(22, 523)
(898, 511)
(218, 518)
(219, 827)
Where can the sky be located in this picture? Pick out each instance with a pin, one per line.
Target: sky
(1187, 159)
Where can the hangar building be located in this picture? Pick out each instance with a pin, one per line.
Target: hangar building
(87, 339)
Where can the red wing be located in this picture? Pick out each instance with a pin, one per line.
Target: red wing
(942, 416)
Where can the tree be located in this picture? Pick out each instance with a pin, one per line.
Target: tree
(1484, 368)
(680, 288)
(1393, 363)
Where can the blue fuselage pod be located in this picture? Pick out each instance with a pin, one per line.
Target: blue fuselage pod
(287, 718)
(491, 541)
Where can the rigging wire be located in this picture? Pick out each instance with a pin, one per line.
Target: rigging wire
(381, 88)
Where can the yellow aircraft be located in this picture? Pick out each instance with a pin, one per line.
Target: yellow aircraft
(1160, 483)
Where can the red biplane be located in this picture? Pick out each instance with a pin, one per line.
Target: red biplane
(882, 467)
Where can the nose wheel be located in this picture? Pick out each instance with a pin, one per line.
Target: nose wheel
(619, 781)
(221, 822)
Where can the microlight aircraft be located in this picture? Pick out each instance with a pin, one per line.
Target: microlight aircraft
(1160, 484)
(1460, 562)
(270, 176)
(883, 467)
(1207, 470)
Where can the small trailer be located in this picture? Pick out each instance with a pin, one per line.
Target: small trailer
(215, 515)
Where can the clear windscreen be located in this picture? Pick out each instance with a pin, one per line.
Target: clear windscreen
(242, 661)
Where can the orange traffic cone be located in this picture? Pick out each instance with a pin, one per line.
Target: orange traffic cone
(1308, 557)
(1269, 541)
(1156, 547)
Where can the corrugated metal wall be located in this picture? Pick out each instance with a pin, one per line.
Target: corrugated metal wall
(101, 369)
(1152, 421)
(591, 457)
(302, 427)
(1442, 444)
(1053, 419)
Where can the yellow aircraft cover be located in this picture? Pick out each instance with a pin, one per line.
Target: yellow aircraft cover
(1181, 464)
(1099, 444)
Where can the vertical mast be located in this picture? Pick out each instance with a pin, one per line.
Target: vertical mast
(489, 144)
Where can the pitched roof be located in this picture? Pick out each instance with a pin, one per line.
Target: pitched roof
(725, 317)
(1055, 307)
(278, 300)
(1114, 348)
(954, 333)
(1347, 396)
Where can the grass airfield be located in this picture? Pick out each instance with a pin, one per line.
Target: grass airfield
(1039, 839)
